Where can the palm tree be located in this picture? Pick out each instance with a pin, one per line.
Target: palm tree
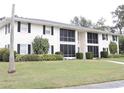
(11, 57)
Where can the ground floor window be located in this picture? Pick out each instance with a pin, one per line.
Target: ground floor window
(68, 50)
(94, 49)
(23, 48)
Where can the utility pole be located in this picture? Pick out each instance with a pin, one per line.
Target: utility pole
(11, 57)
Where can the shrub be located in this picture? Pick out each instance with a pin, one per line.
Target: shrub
(113, 47)
(49, 57)
(58, 53)
(31, 57)
(89, 55)
(79, 55)
(104, 54)
(4, 54)
(34, 57)
(40, 45)
(116, 56)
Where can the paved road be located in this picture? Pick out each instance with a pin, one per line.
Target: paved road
(107, 85)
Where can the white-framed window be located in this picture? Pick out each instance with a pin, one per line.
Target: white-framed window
(24, 28)
(23, 48)
(104, 37)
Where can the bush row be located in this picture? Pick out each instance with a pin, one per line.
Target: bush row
(34, 57)
(116, 56)
(4, 54)
(89, 55)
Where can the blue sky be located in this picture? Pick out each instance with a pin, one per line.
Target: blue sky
(61, 10)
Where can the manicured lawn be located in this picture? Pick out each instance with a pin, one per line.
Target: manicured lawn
(121, 59)
(59, 74)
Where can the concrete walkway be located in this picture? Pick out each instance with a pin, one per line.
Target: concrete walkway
(106, 85)
(117, 62)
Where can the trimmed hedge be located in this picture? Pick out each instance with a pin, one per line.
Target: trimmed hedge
(34, 57)
(79, 55)
(4, 54)
(58, 53)
(89, 55)
(116, 56)
(104, 54)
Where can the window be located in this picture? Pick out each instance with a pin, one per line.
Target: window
(67, 50)
(67, 35)
(114, 38)
(24, 28)
(104, 37)
(52, 30)
(94, 49)
(23, 49)
(92, 38)
(52, 49)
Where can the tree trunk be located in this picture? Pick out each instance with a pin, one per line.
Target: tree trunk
(11, 57)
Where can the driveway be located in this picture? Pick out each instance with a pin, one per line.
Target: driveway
(106, 85)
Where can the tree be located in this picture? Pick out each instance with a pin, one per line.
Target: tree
(118, 16)
(40, 45)
(100, 24)
(113, 47)
(11, 57)
(121, 44)
(82, 21)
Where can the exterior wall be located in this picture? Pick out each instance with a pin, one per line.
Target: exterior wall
(82, 42)
(37, 30)
(4, 38)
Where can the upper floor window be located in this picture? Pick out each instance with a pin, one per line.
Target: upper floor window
(67, 35)
(24, 27)
(92, 38)
(7, 28)
(47, 30)
(114, 38)
(104, 37)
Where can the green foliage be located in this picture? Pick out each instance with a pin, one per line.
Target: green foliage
(40, 45)
(113, 47)
(89, 55)
(35, 57)
(31, 57)
(4, 54)
(104, 54)
(116, 56)
(81, 21)
(121, 44)
(118, 16)
(79, 55)
(59, 53)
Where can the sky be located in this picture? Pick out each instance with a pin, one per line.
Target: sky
(61, 10)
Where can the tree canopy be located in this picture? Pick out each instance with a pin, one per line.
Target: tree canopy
(118, 17)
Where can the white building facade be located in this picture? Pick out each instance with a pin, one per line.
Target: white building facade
(66, 38)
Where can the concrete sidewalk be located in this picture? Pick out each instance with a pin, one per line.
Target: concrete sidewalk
(117, 62)
(106, 85)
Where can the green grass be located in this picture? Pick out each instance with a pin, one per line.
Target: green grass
(59, 74)
(121, 59)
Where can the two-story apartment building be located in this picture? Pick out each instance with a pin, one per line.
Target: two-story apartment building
(66, 38)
